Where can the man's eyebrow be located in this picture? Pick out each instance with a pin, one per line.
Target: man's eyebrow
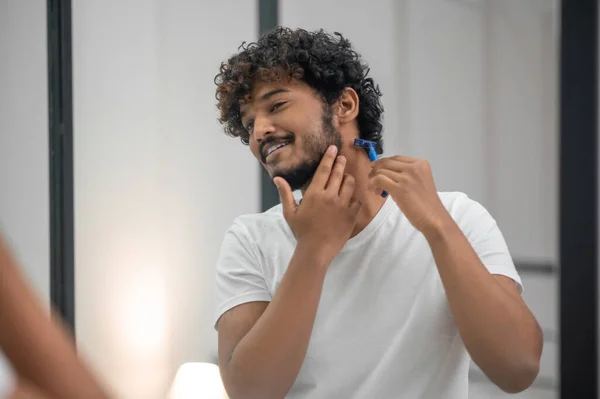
(266, 96)
(271, 93)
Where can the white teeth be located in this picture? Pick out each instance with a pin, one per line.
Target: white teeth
(275, 147)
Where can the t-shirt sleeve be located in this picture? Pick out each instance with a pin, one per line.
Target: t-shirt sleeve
(485, 237)
(239, 277)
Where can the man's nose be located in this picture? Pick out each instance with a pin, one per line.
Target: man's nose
(263, 127)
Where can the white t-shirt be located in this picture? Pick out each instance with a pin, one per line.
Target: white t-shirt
(383, 328)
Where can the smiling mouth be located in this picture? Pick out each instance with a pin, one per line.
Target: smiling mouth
(273, 149)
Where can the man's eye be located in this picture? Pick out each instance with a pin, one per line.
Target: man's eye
(249, 127)
(277, 105)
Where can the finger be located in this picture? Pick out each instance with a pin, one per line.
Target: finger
(324, 170)
(383, 181)
(337, 174)
(392, 174)
(287, 197)
(347, 188)
(404, 158)
(393, 164)
(355, 205)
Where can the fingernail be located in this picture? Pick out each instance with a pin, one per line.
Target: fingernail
(332, 149)
(342, 158)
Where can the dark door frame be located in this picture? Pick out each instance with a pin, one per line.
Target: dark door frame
(60, 104)
(268, 15)
(578, 199)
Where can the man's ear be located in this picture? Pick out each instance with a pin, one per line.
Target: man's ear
(347, 106)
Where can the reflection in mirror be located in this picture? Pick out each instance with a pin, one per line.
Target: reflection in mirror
(321, 299)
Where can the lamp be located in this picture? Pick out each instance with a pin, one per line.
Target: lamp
(198, 381)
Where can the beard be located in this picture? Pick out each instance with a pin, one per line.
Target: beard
(315, 146)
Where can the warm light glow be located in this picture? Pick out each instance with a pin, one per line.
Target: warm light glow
(198, 380)
(144, 313)
(138, 353)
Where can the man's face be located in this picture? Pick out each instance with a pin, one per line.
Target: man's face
(290, 128)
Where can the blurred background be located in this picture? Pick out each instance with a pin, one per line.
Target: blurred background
(117, 183)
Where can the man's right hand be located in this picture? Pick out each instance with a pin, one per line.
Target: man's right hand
(275, 335)
(327, 215)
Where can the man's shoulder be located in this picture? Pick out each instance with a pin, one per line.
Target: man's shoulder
(458, 202)
(271, 215)
(470, 214)
(261, 223)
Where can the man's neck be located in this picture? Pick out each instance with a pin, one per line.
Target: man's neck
(358, 165)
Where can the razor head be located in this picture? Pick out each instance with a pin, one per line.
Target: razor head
(364, 143)
(369, 146)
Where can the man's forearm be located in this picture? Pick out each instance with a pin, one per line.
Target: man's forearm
(499, 332)
(267, 360)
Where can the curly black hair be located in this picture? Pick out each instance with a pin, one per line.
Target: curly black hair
(325, 62)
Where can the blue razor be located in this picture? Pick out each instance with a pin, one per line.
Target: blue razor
(370, 147)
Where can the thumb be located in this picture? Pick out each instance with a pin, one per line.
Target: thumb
(287, 198)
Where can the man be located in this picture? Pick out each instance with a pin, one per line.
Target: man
(350, 294)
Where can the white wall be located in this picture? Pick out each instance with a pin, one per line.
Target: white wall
(521, 128)
(24, 190)
(446, 68)
(149, 157)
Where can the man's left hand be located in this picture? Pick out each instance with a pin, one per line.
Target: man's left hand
(410, 183)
